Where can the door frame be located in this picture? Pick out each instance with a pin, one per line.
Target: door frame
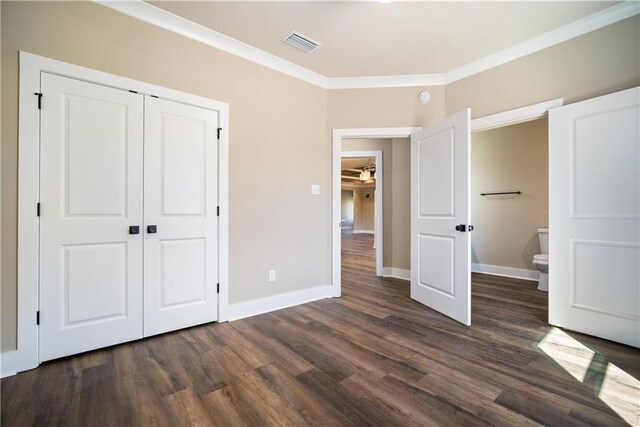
(379, 197)
(26, 355)
(338, 135)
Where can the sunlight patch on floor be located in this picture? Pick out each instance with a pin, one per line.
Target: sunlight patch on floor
(567, 352)
(618, 389)
(621, 392)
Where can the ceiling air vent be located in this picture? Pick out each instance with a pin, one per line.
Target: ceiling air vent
(301, 42)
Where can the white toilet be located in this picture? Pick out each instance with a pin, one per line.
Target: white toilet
(541, 261)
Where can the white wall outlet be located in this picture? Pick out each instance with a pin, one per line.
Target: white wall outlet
(272, 275)
(315, 189)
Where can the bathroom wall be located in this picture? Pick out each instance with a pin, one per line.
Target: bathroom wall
(509, 158)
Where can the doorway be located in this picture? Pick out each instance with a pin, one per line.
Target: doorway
(353, 136)
(362, 198)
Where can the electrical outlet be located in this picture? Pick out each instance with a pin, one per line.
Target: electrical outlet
(272, 275)
(315, 189)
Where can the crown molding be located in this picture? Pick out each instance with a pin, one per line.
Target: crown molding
(407, 80)
(611, 15)
(161, 18)
(153, 15)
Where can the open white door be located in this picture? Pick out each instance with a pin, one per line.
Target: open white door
(440, 214)
(594, 217)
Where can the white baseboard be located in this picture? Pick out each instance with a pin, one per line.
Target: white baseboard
(496, 270)
(277, 302)
(363, 232)
(397, 273)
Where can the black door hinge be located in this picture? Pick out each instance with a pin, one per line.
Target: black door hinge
(38, 209)
(38, 317)
(218, 288)
(219, 130)
(218, 211)
(39, 95)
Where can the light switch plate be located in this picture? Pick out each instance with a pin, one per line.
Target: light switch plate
(315, 189)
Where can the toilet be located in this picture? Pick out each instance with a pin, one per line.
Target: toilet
(541, 261)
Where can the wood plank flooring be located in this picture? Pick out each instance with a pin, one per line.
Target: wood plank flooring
(372, 357)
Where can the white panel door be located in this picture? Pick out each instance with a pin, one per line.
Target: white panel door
(594, 217)
(440, 214)
(181, 196)
(91, 193)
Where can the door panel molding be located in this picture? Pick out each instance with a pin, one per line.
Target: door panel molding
(594, 205)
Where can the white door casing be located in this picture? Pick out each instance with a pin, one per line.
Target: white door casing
(440, 200)
(594, 217)
(181, 199)
(91, 192)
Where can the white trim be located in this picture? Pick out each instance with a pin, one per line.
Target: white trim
(365, 232)
(611, 15)
(496, 270)
(409, 80)
(167, 20)
(378, 230)
(397, 273)
(337, 135)
(26, 355)
(518, 115)
(161, 18)
(277, 302)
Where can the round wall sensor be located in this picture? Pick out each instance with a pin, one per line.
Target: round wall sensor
(424, 97)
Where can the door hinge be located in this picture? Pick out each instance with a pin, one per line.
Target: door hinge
(219, 130)
(39, 95)
(218, 211)
(38, 317)
(38, 209)
(218, 288)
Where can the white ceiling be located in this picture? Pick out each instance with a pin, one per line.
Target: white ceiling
(367, 38)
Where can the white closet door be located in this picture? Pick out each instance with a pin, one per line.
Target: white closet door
(181, 196)
(91, 193)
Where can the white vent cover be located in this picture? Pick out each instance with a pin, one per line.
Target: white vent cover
(301, 42)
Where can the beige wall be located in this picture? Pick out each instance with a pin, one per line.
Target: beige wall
(401, 201)
(597, 63)
(346, 207)
(277, 124)
(363, 108)
(504, 159)
(364, 209)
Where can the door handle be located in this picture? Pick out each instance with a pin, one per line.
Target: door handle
(134, 229)
(463, 227)
(152, 229)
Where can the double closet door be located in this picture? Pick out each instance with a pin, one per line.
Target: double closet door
(128, 216)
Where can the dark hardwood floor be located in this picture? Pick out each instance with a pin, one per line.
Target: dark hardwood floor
(372, 357)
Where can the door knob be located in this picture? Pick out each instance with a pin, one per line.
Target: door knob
(134, 229)
(461, 227)
(152, 229)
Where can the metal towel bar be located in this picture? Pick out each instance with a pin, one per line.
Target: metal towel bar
(499, 193)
